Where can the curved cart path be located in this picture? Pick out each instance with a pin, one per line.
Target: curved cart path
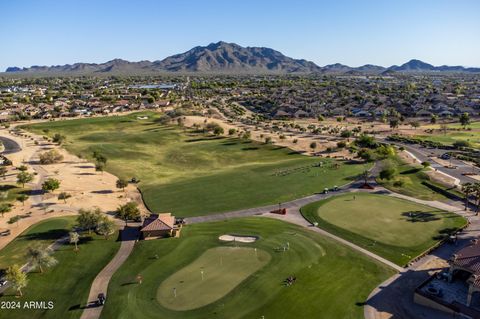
(129, 236)
(294, 216)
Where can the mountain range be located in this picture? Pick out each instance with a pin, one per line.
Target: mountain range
(231, 58)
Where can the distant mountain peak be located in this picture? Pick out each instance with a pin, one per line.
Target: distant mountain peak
(226, 57)
(414, 65)
(231, 57)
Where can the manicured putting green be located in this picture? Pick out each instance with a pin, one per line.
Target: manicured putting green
(332, 280)
(383, 218)
(190, 173)
(223, 269)
(394, 228)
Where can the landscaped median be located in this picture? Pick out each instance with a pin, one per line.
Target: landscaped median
(414, 181)
(396, 229)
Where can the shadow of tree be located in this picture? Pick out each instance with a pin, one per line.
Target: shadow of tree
(442, 233)
(5, 188)
(75, 307)
(419, 216)
(103, 191)
(208, 138)
(52, 234)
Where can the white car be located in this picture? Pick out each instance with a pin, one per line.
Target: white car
(3, 282)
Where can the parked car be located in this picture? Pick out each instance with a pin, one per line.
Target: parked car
(445, 156)
(3, 282)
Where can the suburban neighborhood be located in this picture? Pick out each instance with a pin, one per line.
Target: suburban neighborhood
(234, 160)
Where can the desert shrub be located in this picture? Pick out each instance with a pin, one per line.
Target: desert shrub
(50, 157)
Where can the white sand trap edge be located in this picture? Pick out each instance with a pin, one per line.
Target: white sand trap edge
(242, 239)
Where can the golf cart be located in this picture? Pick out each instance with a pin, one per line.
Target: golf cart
(101, 299)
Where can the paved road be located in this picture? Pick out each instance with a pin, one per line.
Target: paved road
(129, 236)
(425, 155)
(9, 146)
(266, 209)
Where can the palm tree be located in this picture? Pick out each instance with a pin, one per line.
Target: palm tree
(467, 190)
(40, 258)
(74, 238)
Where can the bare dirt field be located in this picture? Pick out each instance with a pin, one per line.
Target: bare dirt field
(88, 188)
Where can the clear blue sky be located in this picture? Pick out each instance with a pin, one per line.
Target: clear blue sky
(353, 32)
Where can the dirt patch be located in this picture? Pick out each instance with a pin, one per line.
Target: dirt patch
(88, 188)
(299, 142)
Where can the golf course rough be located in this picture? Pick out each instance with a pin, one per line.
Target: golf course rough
(191, 173)
(254, 286)
(394, 228)
(67, 283)
(215, 273)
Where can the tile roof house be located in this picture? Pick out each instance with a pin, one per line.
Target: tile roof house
(455, 290)
(160, 226)
(468, 260)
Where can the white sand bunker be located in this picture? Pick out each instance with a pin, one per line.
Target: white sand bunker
(242, 239)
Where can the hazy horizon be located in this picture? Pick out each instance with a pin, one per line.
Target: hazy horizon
(49, 32)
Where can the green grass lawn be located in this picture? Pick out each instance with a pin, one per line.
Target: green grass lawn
(223, 269)
(193, 174)
(472, 136)
(41, 234)
(68, 283)
(393, 228)
(9, 193)
(413, 178)
(332, 280)
(453, 136)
